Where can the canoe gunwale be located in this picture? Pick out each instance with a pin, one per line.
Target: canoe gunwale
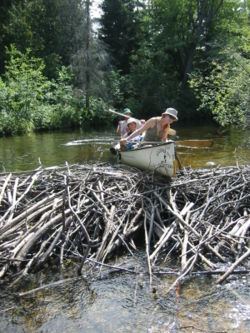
(148, 146)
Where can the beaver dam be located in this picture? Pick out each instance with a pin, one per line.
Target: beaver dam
(88, 214)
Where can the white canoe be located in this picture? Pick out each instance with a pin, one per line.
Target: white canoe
(158, 157)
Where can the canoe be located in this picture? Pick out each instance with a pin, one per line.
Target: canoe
(159, 158)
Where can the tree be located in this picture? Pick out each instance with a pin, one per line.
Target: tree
(5, 6)
(25, 86)
(179, 37)
(119, 30)
(182, 28)
(222, 85)
(48, 27)
(29, 101)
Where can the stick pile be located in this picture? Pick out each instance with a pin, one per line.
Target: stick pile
(90, 212)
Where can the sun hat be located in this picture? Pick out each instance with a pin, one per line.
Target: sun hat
(172, 112)
(127, 111)
(131, 120)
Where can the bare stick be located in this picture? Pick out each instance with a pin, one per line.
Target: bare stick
(233, 266)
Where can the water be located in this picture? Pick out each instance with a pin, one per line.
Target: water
(26, 152)
(122, 302)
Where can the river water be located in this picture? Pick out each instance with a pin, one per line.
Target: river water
(122, 301)
(21, 153)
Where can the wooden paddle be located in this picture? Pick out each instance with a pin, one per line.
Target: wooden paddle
(171, 131)
(118, 113)
(206, 143)
(192, 143)
(180, 143)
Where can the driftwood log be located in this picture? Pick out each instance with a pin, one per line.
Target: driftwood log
(89, 212)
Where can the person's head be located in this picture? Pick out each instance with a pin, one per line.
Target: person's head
(170, 114)
(132, 124)
(127, 112)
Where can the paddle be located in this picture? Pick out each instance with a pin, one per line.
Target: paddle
(118, 113)
(180, 143)
(171, 131)
(192, 143)
(178, 160)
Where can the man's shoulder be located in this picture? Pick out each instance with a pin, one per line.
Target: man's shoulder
(153, 120)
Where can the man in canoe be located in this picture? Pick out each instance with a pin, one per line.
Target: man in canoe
(155, 128)
(122, 125)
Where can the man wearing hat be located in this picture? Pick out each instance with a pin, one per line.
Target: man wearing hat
(156, 128)
(122, 125)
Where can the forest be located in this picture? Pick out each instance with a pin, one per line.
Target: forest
(61, 67)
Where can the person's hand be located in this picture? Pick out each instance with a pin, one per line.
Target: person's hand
(123, 144)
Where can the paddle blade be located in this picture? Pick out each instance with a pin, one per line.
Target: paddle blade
(171, 132)
(195, 143)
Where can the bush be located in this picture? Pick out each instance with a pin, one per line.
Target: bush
(29, 101)
(224, 93)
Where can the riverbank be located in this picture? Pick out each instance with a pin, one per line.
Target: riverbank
(90, 213)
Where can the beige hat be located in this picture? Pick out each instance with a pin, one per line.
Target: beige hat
(131, 120)
(172, 112)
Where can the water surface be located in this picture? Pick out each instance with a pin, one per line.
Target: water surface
(27, 152)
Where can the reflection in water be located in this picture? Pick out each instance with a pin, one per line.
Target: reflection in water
(123, 302)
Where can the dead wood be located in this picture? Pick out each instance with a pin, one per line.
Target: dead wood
(200, 219)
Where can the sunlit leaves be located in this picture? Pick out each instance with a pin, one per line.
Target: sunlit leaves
(225, 93)
(28, 100)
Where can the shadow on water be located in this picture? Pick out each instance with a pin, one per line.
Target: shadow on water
(123, 302)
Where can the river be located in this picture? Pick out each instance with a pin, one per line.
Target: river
(123, 302)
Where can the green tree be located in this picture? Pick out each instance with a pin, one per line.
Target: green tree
(224, 93)
(48, 27)
(222, 85)
(119, 30)
(29, 101)
(5, 6)
(178, 36)
(25, 86)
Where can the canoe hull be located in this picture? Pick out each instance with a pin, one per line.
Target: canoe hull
(159, 158)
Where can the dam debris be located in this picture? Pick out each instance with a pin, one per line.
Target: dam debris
(200, 219)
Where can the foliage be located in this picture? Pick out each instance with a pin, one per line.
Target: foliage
(98, 116)
(48, 27)
(189, 54)
(181, 37)
(225, 93)
(25, 87)
(29, 100)
(222, 85)
(120, 30)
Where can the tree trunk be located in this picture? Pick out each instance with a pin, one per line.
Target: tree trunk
(189, 62)
(87, 51)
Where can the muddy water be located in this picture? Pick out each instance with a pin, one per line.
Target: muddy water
(122, 302)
